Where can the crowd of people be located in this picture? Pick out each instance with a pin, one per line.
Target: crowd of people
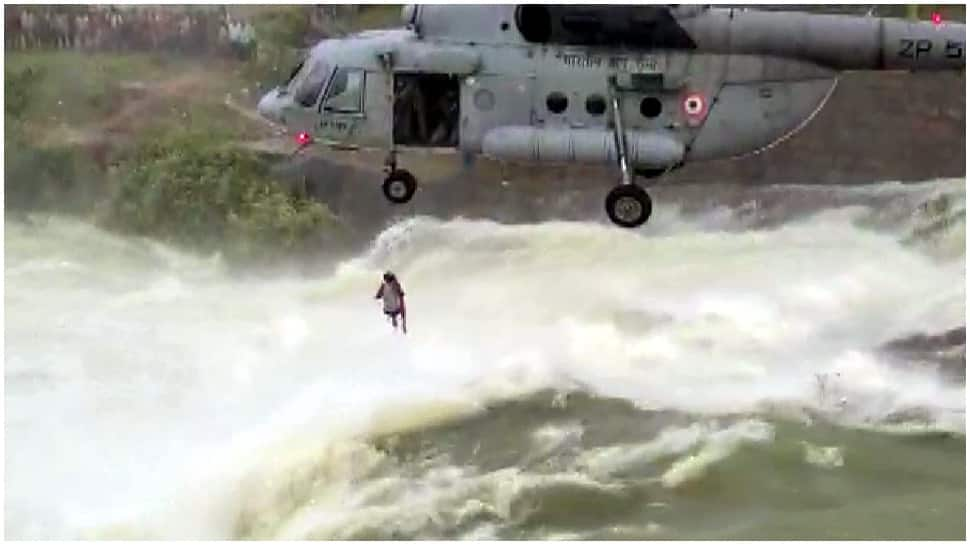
(120, 28)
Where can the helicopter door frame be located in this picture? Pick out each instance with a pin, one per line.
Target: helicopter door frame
(434, 114)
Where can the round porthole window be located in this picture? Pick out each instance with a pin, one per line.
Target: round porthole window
(557, 102)
(650, 107)
(484, 100)
(595, 105)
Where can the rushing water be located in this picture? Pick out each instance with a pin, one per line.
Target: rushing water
(726, 372)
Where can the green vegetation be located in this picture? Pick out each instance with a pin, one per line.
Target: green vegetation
(17, 86)
(284, 26)
(144, 144)
(373, 16)
(37, 178)
(184, 189)
(280, 35)
(76, 87)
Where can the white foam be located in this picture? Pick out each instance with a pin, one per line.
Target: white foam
(154, 370)
(717, 446)
(824, 457)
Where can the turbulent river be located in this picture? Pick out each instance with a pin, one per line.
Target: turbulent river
(787, 367)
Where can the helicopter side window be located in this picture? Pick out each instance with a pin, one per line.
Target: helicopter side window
(346, 92)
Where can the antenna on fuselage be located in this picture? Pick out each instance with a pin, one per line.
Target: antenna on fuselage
(411, 15)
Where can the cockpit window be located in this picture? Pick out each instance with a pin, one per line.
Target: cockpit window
(346, 93)
(295, 72)
(307, 82)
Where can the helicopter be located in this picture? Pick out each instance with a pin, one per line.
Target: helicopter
(646, 89)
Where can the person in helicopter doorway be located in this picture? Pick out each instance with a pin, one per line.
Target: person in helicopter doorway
(393, 296)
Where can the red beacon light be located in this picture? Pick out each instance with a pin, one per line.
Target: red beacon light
(304, 139)
(936, 18)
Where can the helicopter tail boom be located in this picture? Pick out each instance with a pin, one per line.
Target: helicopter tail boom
(841, 42)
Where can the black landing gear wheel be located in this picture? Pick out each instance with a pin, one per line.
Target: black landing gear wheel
(629, 206)
(399, 186)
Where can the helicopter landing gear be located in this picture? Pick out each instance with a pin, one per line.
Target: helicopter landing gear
(629, 206)
(399, 186)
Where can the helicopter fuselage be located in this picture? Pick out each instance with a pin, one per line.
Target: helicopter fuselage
(645, 88)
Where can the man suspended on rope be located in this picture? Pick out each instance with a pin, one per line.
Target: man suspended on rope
(393, 296)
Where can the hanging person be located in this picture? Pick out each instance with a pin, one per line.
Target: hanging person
(393, 296)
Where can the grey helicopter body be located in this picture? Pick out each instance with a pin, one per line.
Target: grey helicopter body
(645, 88)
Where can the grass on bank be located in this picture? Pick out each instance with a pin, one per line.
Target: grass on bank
(161, 164)
(182, 189)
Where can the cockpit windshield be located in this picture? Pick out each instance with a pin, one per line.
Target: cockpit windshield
(294, 72)
(308, 81)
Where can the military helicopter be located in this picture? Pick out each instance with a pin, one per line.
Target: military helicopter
(645, 88)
